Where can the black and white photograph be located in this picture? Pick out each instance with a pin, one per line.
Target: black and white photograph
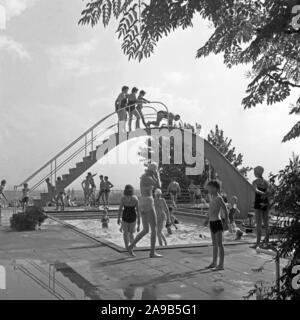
(150, 155)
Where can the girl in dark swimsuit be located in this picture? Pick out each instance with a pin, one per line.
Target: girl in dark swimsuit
(261, 205)
(129, 215)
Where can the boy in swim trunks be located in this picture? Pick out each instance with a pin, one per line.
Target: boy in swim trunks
(174, 190)
(161, 115)
(191, 189)
(85, 188)
(107, 186)
(60, 197)
(105, 219)
(2, 186)
(163, 215)
(261, 205)
(101, 191)
(173, 221)
(215, 223)
(198, 197)
(140, 101)
(25, 196)
(132, 104)
(91, 188)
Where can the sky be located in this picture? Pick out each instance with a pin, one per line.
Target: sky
(57, 79)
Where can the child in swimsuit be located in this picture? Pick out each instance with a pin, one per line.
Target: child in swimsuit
(198, 197)
(140, 101)
(2, 186)
(105, 219)
(215, 223)
(121, 103)
(25, 196)
(60, 197)
(132, 104)
(85, 187)
(101, 191)
(261, 205)
(172, 222)
(169, 116)
(163, 215)
(191, 189)
(107, 186)
(129, 215)
(174, 190)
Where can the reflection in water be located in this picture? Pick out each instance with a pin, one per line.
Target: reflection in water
(83, 284)
(132, 292)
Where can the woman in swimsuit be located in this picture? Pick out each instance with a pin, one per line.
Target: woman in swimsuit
(129, 215)
(163, 214)
(261, 205)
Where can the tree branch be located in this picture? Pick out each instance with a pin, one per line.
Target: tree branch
(283, 81)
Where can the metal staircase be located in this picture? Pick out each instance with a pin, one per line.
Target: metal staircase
(80, 155)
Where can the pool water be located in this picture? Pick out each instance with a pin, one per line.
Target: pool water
(188, 232)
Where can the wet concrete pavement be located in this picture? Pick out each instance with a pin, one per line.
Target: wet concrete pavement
(59, 263)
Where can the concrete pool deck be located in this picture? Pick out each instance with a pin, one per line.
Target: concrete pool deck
(60, 263)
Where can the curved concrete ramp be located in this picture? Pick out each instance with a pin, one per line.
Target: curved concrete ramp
(233, 183)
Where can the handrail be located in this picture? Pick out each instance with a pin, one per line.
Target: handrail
(84, 135)
(72, 156)
(75, 153)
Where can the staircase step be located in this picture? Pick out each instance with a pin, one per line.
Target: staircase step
(87, 159)
(73, 170)
(93, 154)
(65, 176)
(80, 164)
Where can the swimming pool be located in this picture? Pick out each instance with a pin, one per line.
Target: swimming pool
(190, 232)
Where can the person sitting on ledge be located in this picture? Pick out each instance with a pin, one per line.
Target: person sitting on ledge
(161, 115)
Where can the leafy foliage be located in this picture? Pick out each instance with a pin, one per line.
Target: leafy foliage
(224, 145)
(171, 171)
(259, 33)
(27, 221)
(287, 203)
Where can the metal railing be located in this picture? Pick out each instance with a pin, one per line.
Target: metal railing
(87, 144)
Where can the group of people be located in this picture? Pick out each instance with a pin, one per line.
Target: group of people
(61, 198)
(151, 210)
(25, 194)
(130, 214)
(154, 214)
(129, 105)
(89, 190)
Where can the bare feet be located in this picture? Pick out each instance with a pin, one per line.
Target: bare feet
(211, 266)
(130, 251)
(219, 267)
(155, 255)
